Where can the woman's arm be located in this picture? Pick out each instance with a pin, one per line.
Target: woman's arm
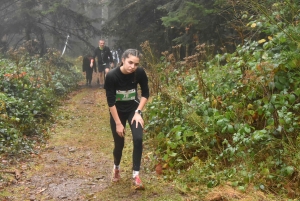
(119, 126)
(137, 117)
(143, 82)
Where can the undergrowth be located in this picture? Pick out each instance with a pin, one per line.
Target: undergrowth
(232, 118)
(30, 89)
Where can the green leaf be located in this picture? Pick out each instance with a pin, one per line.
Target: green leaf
(242, 188)
(289, 170)
(211, 184)
(265, 171)
(224, 129)
(297, 91)
(171, 144)
(292, 98)
(178, 135)
(230, 128)
(173, 154)
(247, 129)
(188, 133)
(262, 187)
(234, 184)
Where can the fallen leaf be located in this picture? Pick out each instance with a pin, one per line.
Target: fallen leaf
(158, 169)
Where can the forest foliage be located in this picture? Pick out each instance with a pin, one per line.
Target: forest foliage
(30, 90)
(224, 77)
(48, 23)
(167, 23)
(233, 117)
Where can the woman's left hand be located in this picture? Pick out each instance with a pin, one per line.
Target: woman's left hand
(138, 119)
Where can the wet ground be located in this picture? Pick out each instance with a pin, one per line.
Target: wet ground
(76, 161)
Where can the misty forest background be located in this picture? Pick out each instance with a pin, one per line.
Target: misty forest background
(224, 78)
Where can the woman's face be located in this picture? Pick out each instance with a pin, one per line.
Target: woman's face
(130, 64)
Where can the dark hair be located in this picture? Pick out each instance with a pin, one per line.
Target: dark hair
(132, 52)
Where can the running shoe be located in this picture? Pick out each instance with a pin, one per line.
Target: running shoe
(137, 183)
(115, 175)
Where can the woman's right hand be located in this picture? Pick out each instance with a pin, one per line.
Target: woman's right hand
(120, 130)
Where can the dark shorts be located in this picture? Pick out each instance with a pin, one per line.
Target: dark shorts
(101, 67)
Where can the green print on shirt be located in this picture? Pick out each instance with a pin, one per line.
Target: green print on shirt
(125, 95)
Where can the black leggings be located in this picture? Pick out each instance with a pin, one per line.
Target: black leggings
(89, 75)
(137, 135)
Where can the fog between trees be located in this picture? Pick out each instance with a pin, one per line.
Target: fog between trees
(124, 24)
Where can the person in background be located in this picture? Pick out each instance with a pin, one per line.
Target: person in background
(115, 57)
(119, 53)
(88, 68)
(104, 60)
(124, 105)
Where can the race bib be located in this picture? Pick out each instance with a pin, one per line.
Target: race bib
(125, 95)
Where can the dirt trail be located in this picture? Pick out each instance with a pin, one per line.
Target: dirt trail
(76, 162)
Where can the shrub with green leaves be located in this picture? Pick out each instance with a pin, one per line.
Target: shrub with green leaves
(237, 117)
(29, 93)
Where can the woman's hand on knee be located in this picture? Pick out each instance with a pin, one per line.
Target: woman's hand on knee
(138, 120)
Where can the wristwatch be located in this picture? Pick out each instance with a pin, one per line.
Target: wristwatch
(138, 111)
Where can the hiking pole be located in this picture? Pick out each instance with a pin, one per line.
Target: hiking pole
(65, 46)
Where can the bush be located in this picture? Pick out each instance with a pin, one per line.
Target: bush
(237, 115)
(29, 93)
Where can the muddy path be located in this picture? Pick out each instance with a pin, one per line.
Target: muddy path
(76, 161)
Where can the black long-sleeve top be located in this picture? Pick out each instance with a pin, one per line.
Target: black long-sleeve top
(104, 56)
(86, 64)
(121, 89)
